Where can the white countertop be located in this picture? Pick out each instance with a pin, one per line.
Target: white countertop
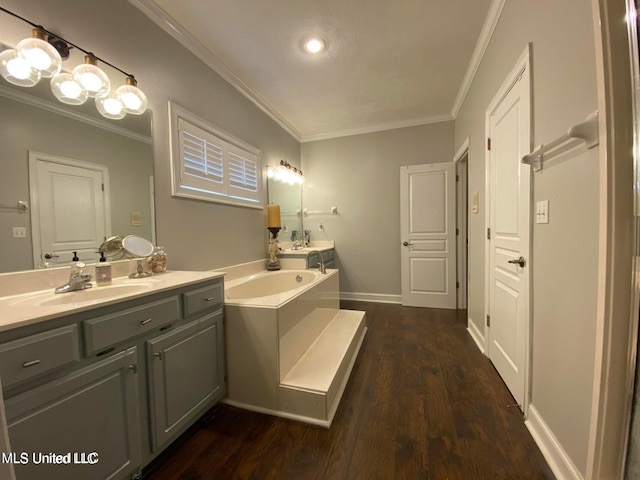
(28, 308)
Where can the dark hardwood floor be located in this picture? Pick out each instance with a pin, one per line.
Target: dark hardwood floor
(422, 403)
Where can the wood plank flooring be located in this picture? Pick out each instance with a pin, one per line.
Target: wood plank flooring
(422, 403)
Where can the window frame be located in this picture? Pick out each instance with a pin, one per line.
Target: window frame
(230, 143)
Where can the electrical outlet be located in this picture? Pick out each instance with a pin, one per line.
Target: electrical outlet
(542, 211)
(19, 232)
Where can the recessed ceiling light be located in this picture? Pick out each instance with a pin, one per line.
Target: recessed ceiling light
(313, 45)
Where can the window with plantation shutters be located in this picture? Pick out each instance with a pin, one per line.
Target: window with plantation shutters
(212, 165)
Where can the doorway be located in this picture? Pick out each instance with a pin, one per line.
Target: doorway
(70, 208)
(462, 209)
(508, 193)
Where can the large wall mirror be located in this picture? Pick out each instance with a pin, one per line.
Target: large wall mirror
(289, 197)
(55, 158)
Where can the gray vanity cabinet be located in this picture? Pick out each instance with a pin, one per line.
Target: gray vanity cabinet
(122, 380)
(93, 409)
(186, 372)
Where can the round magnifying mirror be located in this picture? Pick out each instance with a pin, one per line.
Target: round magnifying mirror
(140, 248)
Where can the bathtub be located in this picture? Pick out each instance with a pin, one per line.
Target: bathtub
(273, 321)
(272, 289)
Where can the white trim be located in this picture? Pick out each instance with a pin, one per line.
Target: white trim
(462, 222)
(34, 197)
(164, 21)
(59, 109)
(277, 413)
(371, 297)
(558, 460)
(476, 335)
(614, 366)
(462, 151)
(382, 127)
(522, 64)
(490, 23)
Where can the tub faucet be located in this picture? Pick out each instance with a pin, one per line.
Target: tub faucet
(320, 260)
(78, 280)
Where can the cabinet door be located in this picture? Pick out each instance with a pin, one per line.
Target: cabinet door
(88, 412)
(186, 375)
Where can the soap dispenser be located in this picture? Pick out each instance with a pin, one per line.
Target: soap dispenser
(103, 271)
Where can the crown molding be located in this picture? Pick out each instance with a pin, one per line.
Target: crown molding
(59, 109)
(381, 127)
(490, 23)
(164, 21)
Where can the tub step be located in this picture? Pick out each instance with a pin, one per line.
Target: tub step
(314, 386)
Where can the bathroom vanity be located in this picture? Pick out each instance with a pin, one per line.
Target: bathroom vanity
(97, 384)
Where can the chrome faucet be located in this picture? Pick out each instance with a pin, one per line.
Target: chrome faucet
(320, 260)
(78, 280)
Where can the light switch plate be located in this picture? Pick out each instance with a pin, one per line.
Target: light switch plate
(542, 211)
(475, 207)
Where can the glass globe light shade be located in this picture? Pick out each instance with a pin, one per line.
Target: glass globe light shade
(133, 99)
(270, 172)
(67, 90)
(91, 77)
(15, 69)
(40, 54)
(110, 106)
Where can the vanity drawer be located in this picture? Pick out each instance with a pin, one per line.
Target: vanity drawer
(202, 299)
(107, 330)
(38, 354)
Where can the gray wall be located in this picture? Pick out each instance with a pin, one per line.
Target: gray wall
(360, 175)
(196, 235)
(565, 251)
(25, 128)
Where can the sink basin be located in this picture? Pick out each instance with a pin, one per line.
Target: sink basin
(44, 299)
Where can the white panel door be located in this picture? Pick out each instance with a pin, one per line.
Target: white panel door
(70, 210)
(509, 217)
(427, 225)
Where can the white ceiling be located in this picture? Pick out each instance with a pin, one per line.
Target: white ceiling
(388, 63)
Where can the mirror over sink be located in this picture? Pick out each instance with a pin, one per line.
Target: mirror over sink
(289, 197)
(82, 178)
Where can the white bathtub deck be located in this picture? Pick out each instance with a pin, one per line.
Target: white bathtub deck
(314, 385)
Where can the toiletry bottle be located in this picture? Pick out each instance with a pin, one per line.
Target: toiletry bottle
(103, 271)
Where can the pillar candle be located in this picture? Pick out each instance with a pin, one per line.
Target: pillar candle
(273, 216)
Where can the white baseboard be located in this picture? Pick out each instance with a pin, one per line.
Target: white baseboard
(277, 413)
(371, 297)
(476, 334)
(558, 460)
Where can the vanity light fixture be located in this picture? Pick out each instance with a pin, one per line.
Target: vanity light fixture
(286, 173)
(16, 70)
(41, 56)
(91, 77)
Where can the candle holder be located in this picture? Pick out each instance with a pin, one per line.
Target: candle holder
(273, 263)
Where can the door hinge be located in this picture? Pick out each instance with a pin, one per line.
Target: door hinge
(488, 320)
(457, 284)
(488, 234)
(488, 143)
(457, 231)
(457, 178)
(103, 187)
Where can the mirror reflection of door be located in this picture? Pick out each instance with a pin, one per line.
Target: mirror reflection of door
(70, 208)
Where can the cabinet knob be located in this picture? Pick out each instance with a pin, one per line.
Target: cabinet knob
(158, 355)
(133, 367)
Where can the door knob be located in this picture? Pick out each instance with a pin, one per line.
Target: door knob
(518, 261)
(406, 244)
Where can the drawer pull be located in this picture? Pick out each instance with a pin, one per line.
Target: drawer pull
(104, 352)
(30, 364)
(158, 355)
(144, 322)
(210, 299)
